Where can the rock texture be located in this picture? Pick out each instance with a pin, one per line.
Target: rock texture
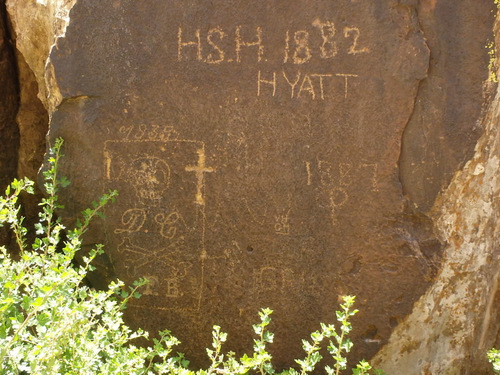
(36, 25)
(269, 154)
(255, 149)
(442, 131)
(456, 322)
(9, 102)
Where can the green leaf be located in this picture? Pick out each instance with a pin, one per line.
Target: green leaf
(64, 182)
(137, 295)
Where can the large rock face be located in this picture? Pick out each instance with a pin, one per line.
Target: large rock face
(456, 321)
(267, 154)
(255, 149)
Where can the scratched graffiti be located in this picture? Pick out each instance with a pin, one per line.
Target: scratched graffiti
(161, 225)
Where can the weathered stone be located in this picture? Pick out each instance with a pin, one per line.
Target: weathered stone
(37, 26)
(9, 102)
(445, 123)
(256, 148)
(456, 322)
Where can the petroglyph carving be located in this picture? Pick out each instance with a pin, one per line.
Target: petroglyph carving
(211, 58)
(354, 49)
(133, 219)
(149, 168)
(271, 82)
(309, 174)
(182, 44)
(270, 278)
(373, 170)
(346, 82)
(302, 53)
(307, 86)
(329, 46)
(178, 272)
(336, 178)
(131, 250)
(310, 85)
(345, 174)
(241, 43)
(150, 287)
(172, 289)
(200, 171)
(282, 225)
(150, 177)
(152, 132)
(282, 219)
(338, 197)
(168, 229)
(172, 271)
(300, 46)
(142, 256)
(292, 84)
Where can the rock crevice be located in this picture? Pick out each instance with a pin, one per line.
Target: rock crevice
(454, 323)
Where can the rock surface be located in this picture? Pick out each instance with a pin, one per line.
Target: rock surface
(266, 154)
(255, 149)
(36, 26)
(9, 102)
(444, 126)
(456, 322)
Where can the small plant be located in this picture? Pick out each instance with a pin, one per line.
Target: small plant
(51, 322)
(494, 358)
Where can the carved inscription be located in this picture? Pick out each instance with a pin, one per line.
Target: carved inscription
(245, 44)
(162, 223)
(282, 280)
(300, 85)
(200, 171)
(282, 225)
(336, 178)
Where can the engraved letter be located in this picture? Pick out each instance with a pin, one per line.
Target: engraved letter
(302, 52)
(307, 86)
(182, 45)
(344, 171)
(329, 47)
(272, 83)
(168, 222)
(353, 49)
(210, 58)
(374, 168)
(292, 85)
(172, 288)
(309, 175)
(133, 220)
(240, 43)
(287, 47)
(321, 76)
(346, 76)
(325, 173)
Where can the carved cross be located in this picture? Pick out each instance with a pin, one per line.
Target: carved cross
(200, 171)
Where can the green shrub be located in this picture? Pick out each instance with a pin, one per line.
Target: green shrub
(51, 322)
(494, 358)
